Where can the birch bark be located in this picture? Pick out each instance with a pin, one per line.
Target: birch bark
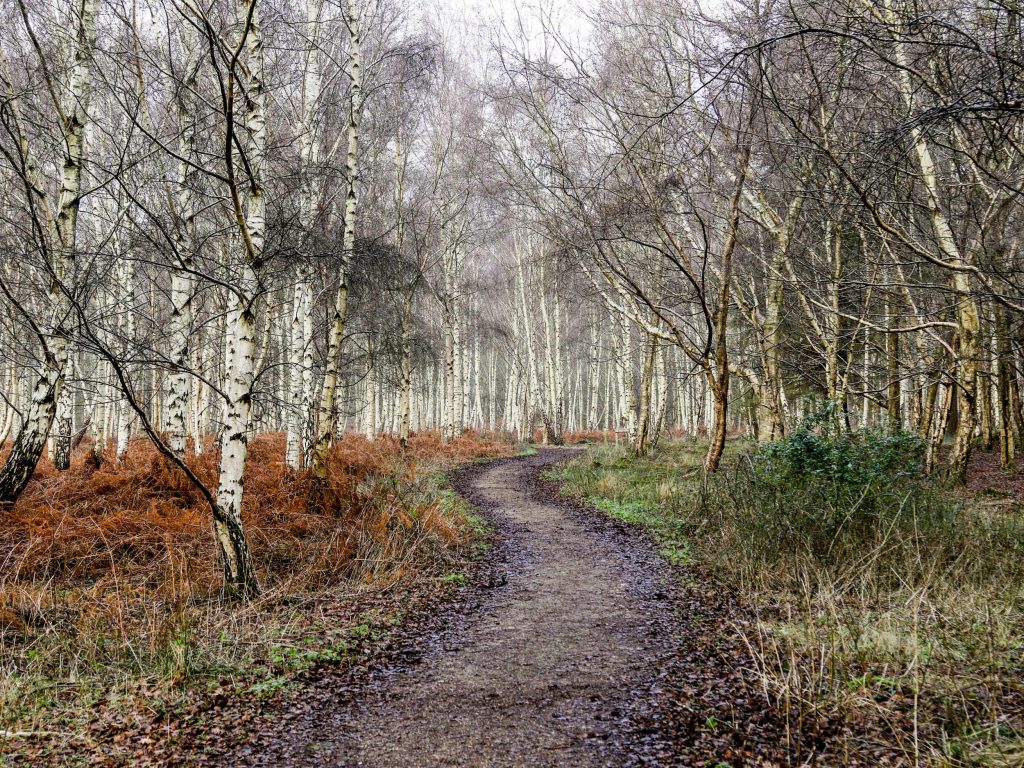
(182, 282)
(326, 426)
(61, 237)
(240, 353)
(300, 369)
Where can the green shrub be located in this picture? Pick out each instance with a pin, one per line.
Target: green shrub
(825, 496)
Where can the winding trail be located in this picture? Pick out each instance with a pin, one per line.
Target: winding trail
(557, 664)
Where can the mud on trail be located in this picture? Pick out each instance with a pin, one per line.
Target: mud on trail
(555, 659)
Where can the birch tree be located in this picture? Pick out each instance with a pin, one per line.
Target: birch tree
(54, 225)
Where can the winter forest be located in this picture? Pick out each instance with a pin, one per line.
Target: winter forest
(292, 289)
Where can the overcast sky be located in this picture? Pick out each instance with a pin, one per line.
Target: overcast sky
(478, 21)
(567, 11)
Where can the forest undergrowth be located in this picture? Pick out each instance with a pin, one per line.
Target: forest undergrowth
(111, 609)
(884, 612)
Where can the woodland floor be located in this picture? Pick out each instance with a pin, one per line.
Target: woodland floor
(580, 641)
(556, 656)
(573, 642)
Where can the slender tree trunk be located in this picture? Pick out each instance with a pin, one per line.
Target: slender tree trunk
(627, 382)
(892, 355)
(661, 399)
(533, 379)
(182, 283)
(239, 575)
(594, 377)
(1004, 373)
(551, 422)
(326, 426)
(938, 426)
(450, 375)
(968, 320)
(718, 373)
(406, 371)
(31, 438)
(641, 438)
(240, 352)
(125, 414)
(370, 414)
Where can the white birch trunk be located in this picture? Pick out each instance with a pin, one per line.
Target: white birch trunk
(326, 426)
(240, 353)
(182, 282)
(62, 236)
(370, 413)
(300, 368)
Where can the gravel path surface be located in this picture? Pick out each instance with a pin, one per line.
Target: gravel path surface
(556, 662)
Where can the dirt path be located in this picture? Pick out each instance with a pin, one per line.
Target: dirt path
(555, 665)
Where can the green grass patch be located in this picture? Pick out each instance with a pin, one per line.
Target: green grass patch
(655, 492)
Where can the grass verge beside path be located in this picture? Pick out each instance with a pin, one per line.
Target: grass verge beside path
(885, 611)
